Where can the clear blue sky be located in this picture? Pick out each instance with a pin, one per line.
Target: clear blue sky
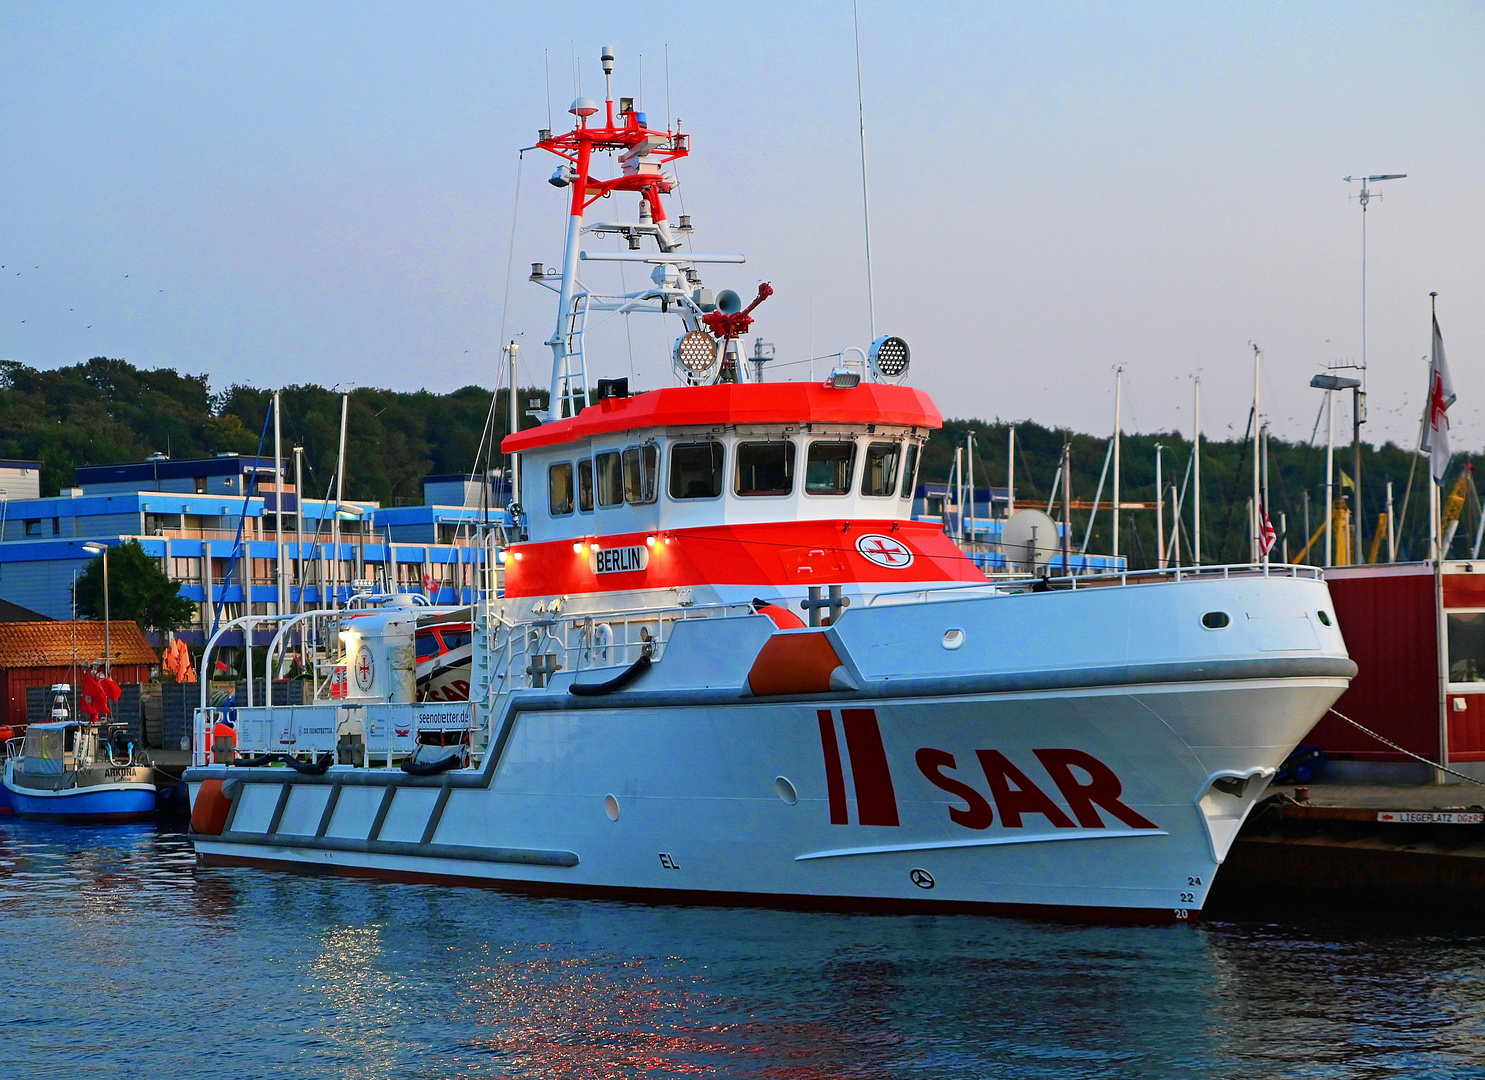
(278, 193)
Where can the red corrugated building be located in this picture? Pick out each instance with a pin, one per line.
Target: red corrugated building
(46, 653)
(1389, 617)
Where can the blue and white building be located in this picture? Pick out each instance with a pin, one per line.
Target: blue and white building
(214, 525)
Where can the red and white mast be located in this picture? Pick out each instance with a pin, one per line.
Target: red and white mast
(642, 153)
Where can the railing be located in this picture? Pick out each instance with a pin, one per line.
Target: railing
(1022, 584)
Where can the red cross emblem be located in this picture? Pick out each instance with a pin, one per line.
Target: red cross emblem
(885, 551)
(364, 670)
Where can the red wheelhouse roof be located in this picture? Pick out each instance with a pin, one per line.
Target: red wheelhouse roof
(738, 403)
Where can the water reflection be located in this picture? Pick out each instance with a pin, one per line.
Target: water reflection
(123, 957)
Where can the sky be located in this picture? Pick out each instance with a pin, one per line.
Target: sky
(334, 193)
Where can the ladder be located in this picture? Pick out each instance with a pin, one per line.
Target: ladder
(574, 371)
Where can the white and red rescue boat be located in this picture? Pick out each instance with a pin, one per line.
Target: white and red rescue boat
(727, 666)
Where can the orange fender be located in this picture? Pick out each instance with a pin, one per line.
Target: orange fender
(209, 814)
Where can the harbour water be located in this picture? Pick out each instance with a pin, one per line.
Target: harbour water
(122, 958)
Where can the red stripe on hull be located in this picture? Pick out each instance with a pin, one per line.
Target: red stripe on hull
(835, 781)
(876, 802)
(780, 554)
(1067, 913)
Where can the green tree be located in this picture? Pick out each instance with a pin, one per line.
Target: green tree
(138, 590)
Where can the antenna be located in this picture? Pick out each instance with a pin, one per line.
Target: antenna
(1364, 198)
(871, 307)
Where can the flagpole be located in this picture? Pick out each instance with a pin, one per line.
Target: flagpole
(1440, 627)
(1255, 543)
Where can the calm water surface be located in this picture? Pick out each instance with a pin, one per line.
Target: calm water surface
(124, 959)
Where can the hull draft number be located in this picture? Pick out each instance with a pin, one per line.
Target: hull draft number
(884, 551)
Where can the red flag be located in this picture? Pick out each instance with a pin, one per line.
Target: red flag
(93, 699)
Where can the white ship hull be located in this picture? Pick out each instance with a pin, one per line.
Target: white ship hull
(1084, 754)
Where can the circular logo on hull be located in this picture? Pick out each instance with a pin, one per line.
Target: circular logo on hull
(884, 551)
(365, 671)
(921, 878)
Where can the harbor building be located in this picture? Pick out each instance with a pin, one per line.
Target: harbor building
(214, 526)
(34, 656)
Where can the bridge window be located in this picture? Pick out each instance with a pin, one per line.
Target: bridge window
(910, 471)
(610, 477)
(879, 476)
(696, 470)
(559, 488)
(828, 468)
(765, 468)
(585, 485)
(641, 468)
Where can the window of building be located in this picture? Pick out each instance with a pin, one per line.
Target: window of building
(585, 485)
(879, 474)
(910, 471)
(200, 485)
(641, 469)
(765, 468)
(696, 470)
(1466, 646)
(559, 488)
(828, 468)
(33, 527)
(609, 477)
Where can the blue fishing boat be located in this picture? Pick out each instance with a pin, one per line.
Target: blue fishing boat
(71, 771)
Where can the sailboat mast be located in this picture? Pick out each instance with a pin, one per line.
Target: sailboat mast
(1118, 414)
(1196, 511)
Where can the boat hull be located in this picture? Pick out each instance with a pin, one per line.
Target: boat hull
(103, 802)
(90, 806)
(943, 803)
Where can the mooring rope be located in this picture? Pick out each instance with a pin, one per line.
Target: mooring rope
(1401, 750)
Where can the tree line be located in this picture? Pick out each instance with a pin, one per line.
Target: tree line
(107, 410)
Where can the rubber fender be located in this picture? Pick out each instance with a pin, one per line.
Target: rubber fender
(319, 767)
(209, 815)
(794, 662)
(618, 682)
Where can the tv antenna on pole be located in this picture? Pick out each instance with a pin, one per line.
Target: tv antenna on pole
(1364, 198)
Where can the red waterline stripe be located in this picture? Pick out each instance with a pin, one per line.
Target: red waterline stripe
(835, 781)
(876, 802)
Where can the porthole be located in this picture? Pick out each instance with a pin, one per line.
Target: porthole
(1324, 618)
(953, 639)
(785, 790)
(1215, 620)
(611, 807)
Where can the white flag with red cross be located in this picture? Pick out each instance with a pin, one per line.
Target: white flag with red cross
(1440, 397)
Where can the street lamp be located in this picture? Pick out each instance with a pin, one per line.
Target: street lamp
(1358, 404)
(102, 549)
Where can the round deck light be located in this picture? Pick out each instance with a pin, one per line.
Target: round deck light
(577, 549)
(695, 355)
(649, 541)
(888, 359)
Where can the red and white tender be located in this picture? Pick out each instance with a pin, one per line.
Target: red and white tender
(727, 666)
